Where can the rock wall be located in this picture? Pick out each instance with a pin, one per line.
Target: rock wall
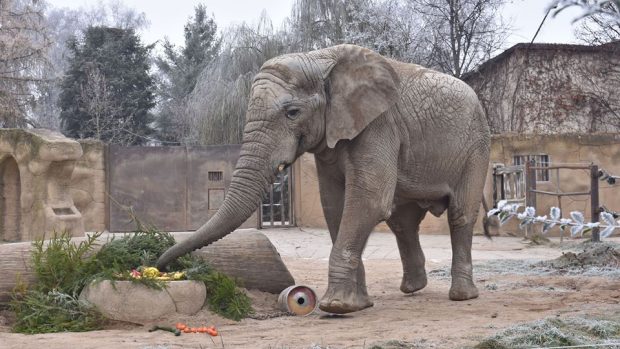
(551, 89)
(35, 171)
(88, 185)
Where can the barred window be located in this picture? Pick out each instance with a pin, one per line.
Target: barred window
(541, 160)
(215, 176)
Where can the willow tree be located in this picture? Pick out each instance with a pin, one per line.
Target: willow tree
(217, 105)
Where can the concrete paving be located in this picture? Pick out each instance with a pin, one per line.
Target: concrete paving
(316, 244)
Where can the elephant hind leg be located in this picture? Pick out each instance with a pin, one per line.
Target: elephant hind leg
(405, 223)
(462, 214)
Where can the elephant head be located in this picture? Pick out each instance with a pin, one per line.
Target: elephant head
(299, 102)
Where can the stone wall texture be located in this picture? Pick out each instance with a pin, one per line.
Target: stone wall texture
(36, 205)
(88, 185)
(551, 89)
(35, 173)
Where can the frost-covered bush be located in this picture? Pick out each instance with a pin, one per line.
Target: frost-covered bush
(576, 224)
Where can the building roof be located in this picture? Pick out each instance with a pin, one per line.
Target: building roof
(612, 47)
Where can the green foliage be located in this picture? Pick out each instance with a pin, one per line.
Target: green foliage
(61, 265)
(223, 295)
(107, 92)
(47, 312)
(143, 247)
(225, 298)
(63, 268)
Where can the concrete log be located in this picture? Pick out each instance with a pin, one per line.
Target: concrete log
(249, 256)
(246, 255)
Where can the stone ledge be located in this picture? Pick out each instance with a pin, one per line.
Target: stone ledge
(132, 302)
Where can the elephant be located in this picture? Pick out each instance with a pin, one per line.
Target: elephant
(391, 141)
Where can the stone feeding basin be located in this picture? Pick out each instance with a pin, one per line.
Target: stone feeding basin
(133, 302)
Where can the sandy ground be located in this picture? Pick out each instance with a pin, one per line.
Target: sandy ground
(426, 319)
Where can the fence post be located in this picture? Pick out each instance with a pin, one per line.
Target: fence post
(530, 195)
(494, 185)
(594, 204)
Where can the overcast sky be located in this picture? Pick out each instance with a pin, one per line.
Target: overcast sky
(168, 17)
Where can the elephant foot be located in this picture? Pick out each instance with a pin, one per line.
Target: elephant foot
(344, 301)
(463, 289)
(413, 282)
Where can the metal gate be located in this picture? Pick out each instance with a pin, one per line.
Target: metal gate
(509, 184)
(277, 206)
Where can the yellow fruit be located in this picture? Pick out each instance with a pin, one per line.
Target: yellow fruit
(150, 272)
(178, 275)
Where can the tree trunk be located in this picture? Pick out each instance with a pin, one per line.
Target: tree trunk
(246, 255)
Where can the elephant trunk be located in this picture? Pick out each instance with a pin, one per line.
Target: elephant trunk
(250, 180)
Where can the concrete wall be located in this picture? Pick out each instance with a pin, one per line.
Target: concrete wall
(601, 149)
(88, 180)
(173, 188)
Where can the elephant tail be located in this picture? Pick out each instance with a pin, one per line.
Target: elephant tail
(485, 219)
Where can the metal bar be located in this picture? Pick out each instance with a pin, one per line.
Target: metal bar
(510, 169)
(282, 218)
(530, 194)
(568, 167)
(557, 188)
(594, 204)
(494, 186)
(560, 194)
(271, 205)
(503, 190)
(290, 196)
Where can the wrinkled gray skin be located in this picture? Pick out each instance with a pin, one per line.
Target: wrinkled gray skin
(391, 142)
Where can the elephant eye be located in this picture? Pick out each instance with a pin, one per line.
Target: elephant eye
(292, 113)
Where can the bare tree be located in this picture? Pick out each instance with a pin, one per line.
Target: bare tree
(390, 27)
(23, 48)
(597, 30)
(599, 23)
(462, 33)
(105, 122)
(609, 9)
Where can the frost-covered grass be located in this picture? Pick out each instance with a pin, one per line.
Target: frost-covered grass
(583, 259)
(389, 344)
(554, 332)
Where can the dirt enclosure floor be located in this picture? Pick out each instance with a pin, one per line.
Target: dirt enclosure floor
(515, 287)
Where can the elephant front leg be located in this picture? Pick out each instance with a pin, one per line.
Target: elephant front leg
(331, 187)
(346, 291)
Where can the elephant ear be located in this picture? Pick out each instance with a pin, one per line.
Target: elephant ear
(361, 85)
